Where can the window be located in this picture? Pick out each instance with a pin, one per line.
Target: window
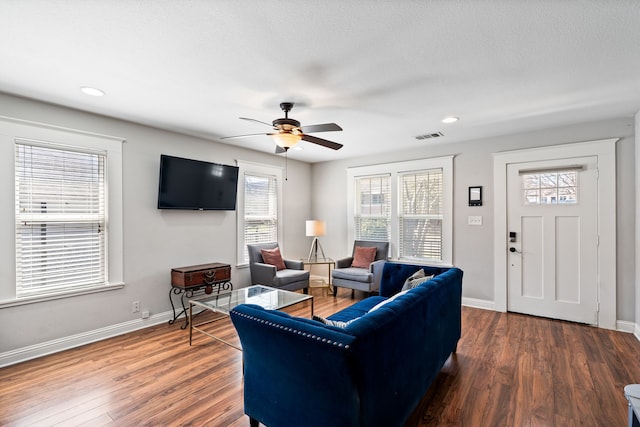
(67, 213)
(372, 220)
(420, 214)
(259, 206)
(550, 187)
(408, 204)
(60, 220)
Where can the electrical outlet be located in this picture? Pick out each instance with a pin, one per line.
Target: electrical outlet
(135, 306)
(475, 220)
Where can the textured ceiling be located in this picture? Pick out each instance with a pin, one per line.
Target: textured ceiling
(385, 71)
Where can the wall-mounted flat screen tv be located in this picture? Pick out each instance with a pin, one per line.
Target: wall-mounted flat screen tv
(196, 185)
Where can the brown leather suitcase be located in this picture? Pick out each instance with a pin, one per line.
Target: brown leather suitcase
(198, 275)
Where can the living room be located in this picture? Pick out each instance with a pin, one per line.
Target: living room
(154, 241)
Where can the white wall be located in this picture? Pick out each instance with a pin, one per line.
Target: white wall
(473, 165)
(155, 240)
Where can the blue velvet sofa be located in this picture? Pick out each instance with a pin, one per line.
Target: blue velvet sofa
(372, 372)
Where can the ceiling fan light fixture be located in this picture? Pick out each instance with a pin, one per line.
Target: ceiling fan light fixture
(286, 140)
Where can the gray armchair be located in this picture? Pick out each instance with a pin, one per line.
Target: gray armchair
(355, 278)
(292, 278)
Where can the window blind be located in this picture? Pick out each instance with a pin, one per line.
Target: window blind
(260, 210)
(60, 219)
(372, 218)
(420, 214)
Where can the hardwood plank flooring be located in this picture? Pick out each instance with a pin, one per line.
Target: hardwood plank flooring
(509, 370)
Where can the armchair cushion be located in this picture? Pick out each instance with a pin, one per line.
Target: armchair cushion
(363, 256)
(273, 257)
(352, 273)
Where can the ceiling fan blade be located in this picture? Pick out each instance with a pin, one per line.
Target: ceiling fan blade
(245, 136)
(323, 142)
(325, 127)
(257, 121)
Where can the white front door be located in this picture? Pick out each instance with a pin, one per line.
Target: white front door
(552, 210)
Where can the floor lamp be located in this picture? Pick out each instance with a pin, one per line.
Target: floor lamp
(315, 228)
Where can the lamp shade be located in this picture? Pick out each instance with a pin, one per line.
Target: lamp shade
(315, 228)
(286, 139)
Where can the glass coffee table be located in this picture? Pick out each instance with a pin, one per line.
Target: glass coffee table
(223, 303)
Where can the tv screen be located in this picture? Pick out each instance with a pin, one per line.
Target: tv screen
(196, 185)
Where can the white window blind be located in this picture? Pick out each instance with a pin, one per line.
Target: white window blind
(260, 210)
(60, 219)
(372, 219)
(420, 214)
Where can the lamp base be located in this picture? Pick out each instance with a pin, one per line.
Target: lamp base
(313, 253)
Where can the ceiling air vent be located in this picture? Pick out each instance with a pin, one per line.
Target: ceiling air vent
(430, 135)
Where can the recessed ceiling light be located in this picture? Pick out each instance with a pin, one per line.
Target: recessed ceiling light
(450, 119)
(91, 91)
(297, 148)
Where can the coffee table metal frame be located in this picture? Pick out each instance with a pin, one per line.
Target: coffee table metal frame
(223, 303)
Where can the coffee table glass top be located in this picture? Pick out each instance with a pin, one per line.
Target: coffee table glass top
(264, 296)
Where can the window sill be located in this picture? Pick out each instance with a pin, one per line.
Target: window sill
(50, 297)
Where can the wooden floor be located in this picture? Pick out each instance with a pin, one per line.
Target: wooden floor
(510, 370)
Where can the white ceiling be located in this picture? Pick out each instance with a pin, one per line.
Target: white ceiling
(385, 71)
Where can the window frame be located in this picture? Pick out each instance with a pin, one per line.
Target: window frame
(395, 170)
(12, 130)
(251, 168)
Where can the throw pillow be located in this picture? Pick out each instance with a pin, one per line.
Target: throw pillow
(336, 323)
(273, 257)
(363, 256)
(416, 279)
(387, 301)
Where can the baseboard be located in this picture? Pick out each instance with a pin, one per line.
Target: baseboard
(42, 349)
(479, 303)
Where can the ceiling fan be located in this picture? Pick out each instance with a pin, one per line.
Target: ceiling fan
(288, 132)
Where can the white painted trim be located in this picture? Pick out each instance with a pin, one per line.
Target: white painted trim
(636, 331)
(605, 150)
(393, 170)
(484, 304)
(42, 349)
(625, 326)
(258, 169)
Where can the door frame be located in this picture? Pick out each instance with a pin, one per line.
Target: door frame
(605, 152)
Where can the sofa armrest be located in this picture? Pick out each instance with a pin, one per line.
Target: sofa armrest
(262, 273)
(294, 264)
(376, 268)
(282, 355)
(344, 262)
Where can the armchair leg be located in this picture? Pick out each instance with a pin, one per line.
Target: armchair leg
(335, 291)
(253, 422)
(353, 293)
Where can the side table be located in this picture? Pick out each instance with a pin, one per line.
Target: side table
(321, 261)
(201, 279)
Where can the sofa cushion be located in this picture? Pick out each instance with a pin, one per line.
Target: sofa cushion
(363, 256)
(388, 300)
(357, 310)
(273, 257)
(351, 273)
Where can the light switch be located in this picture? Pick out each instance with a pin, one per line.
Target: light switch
(475, 220)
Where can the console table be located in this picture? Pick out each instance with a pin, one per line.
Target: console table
(197, 279)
